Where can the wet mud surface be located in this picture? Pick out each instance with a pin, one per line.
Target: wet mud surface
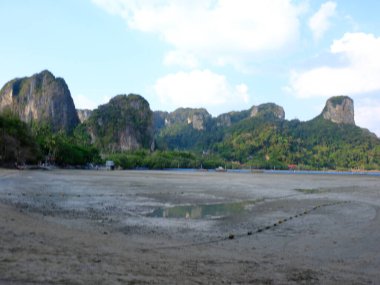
(162, 227)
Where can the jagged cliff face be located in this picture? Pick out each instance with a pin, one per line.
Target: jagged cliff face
(84, 114)
(125, 123)
(339, 110)
(268, 109)
(197, 118)
(224, 120)
(41, 98)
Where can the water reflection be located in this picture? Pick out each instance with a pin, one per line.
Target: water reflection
(203, 211)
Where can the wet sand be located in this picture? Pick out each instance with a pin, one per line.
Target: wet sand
(97, 227)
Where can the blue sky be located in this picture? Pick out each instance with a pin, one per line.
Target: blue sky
(219, 54)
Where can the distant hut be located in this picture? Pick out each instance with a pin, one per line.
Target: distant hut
(292, 167)
(221, 169)
(110, 165)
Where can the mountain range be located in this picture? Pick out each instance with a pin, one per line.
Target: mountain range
(259, 136)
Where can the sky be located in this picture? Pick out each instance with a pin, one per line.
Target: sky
(222, 55)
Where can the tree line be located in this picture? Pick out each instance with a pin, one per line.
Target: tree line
(251, 143)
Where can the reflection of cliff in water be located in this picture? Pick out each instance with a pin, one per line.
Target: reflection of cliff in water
(203, 211)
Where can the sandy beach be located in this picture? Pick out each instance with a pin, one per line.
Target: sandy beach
(167, 227)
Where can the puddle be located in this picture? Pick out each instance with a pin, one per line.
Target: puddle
(312, 191)
(208, 211)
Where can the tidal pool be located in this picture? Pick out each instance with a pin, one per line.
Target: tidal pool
(207, 211)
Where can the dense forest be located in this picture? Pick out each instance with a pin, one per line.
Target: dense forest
(316, 144)
(23, 143)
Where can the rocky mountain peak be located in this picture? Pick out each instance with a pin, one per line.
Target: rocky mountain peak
(125, 123)
(268, 109)
(339, 110)
(41, 98)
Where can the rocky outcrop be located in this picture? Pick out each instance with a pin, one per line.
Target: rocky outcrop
(231, 118)
(84, 114)
(339, 110)
(223, 120)
(125, 123)
(197, 118)
(268, 110)
(41, 98)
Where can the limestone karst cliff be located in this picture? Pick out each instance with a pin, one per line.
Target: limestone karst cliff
(197, 118)
(41, 98)
(268, 110)
(224, 120)
(84, 114)
(125, 123)
(340, 110)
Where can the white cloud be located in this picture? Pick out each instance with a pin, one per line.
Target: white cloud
(367, 115)
(221, 31)
(319, 23)
(200, 88)
(359, 74)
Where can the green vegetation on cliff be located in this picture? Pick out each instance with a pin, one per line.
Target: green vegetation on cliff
(261, 138)
(315, 144)
(124, 123)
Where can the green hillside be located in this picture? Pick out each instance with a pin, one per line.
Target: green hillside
(314, 144)
(261, 138)
(124, 123)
